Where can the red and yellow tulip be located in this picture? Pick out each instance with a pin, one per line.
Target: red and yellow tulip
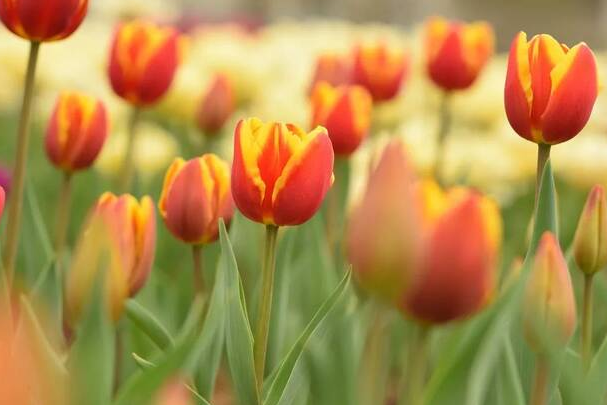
(457, 52)
(42, 21)
(332, 68)
(380, 68)
(590, 241)
(217, 105)
(195, 195)
(76, 132)
(143, 60)
(280, 174)
(346, 113)
(550, 89)
(549, 315)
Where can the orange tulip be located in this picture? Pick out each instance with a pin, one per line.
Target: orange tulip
(550, 89)
(346, 113)
(590, 242)
(456, 276)
(332, 68)
(143, 60)
(174, 392)
(217, 105)
(43, 20)
(280, 173)
(76, 132)
(380, 68)
(549, 312)
(383, 242)
(456, 52)
(195, 195)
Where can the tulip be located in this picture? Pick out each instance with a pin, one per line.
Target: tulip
(217, 105)
(143, 61)
(332, 68)
(381, 69)
(590, 242)
(43, 20)
(346, 113)
(549, 309)
(383, 242)
(456, 276)
(550, 89)
(280, 174)
(76, 132)
(456, 52)
(174, 392)
(2, 200)
(195, 195)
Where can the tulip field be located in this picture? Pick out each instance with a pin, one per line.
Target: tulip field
(297, 212)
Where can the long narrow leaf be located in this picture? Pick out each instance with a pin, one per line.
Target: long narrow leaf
(149, 324)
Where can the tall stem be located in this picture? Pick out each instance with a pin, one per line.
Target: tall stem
(444, 126)
(63, 218)
(374, 368)
(198, 277)
(543, 153)
(128, 165)
(412, 391)
(539, 393)
(587, 321)
(265, 304)
(16, 195)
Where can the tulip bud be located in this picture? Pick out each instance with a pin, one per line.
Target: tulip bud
(175, 392)
(76, 132)
(119, 241)
(590, 242)
(458, 270)
(195, 195)
(2, 200)
(457, 52)
(143, 61)
(217, 105)
(332, 68)
(345, 112)
(280, 173)
(43, 21)
(381, 69)
(549, 311)
(550, 89)
(383, 242)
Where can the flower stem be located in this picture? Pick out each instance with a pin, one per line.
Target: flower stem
(374, 369)
(587, 321)
(444, 126)
(543, 154)
(539, 393)
(198, 277)
(127, 172)
(63, 218)
(265, 304)
(415, 377)
(16, 195)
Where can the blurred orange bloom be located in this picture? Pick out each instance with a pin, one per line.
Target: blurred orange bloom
(590, 242)
(217, 105)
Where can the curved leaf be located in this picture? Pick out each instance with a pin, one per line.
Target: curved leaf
(149, 324)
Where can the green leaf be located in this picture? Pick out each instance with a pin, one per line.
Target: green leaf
(239, 339)
(285, 372)
(38, 221)
(545, 215)
(149, 324)
(93, 349)
(511, 388)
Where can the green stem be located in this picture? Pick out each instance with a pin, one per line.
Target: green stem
(63, 218)
(374, 370)
(414, 381)
(127, 172)
(198, 276)
(543, 154)
(443, 130)
(539, 393)
(119, 351)
(265, 305)
(587, 321)
(16, 196)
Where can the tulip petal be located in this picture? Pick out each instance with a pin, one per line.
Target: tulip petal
(518, 95)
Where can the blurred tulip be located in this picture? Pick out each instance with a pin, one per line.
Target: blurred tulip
(549, 309)
(6, 179)
(217, 105)
(280, 174)
(457, 273)
(346, 113)
(195, 195)
(2, 200)
(550, 89)
(383, 242)
(174, 392)
(43, 20)
(381, 69)
(118, 240)
(332, 68)
(76, 132)
(456, 52)
(143, 60)
(590, 242)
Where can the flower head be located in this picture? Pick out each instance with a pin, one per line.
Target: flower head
(590, 242)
